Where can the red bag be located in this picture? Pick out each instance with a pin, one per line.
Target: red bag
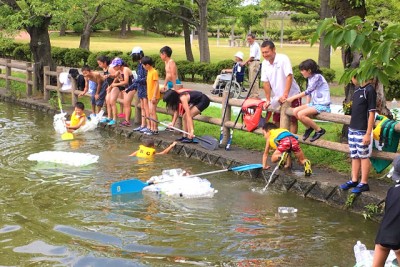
(252, 110)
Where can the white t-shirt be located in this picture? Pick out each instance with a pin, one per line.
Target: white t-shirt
(276, 74)
(255, 51)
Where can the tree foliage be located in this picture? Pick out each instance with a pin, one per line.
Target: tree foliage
(379, 48)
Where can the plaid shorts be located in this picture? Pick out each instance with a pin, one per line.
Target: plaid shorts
(357, 149)
(287, 144)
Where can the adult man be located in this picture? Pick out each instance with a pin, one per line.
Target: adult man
(254, 64)
(277, 76)
(171, 71)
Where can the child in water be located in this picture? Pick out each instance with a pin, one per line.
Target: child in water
(78, 118)
(147, 149)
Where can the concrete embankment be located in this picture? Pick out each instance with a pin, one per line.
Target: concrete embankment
(322, 185)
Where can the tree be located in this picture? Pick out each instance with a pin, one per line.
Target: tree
(34, 16)
(376, 50)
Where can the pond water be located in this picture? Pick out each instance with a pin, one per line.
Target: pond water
(55, 215)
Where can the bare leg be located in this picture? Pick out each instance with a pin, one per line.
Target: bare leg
(365, 167)
(113, 102)
(127, 104)
(380, 255)
(355, 169)
(304, 116)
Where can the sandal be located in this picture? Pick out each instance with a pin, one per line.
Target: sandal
(125, 123)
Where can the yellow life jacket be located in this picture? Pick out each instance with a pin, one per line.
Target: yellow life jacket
(145, 152)
(376, 133)
(75, 119)
(273, 135)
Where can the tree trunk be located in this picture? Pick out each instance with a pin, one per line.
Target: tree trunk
(203, 31)
(41, 49)
(123, 28)
(186, 34)
(63, 29)
(85, 37)
(324, 53)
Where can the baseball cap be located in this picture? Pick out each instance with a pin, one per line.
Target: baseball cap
(239, 55)
(136, 50)
(117, 62)
(396, 169)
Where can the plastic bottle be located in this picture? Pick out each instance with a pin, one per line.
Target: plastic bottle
(363, 256)
(287, 210)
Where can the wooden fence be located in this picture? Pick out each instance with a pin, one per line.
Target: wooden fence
(286, 110)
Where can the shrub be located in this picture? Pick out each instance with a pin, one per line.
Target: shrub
(58, 55)
(7, 47)
(76, 57)
(22, 52)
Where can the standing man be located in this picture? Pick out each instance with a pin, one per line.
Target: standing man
(254, 64)
(277, 76)
(171, 71)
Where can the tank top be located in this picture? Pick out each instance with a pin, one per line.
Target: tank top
(145, 152)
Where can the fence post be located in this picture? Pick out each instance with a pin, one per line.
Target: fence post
(227, 117)
(8, 74)
(138, 110)
(59, 94)
(46, 94)
(285, 119)
(74, 97)
(28, 79)
(34, 78)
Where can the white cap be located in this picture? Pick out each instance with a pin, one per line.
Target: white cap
(136, 50)
(239, 55)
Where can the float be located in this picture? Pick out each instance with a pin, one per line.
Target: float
(174, 183)
(61, 157)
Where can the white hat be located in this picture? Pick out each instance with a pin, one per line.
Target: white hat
(239, 55)
(136, 50)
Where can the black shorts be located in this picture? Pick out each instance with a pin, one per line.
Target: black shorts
(392, 247)
(204, 103)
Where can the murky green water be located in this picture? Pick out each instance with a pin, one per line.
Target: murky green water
(54, 215)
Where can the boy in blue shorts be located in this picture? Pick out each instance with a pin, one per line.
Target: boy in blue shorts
(360, 130)
(99, 87)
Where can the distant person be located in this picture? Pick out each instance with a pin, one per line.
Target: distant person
(140, 85)
(362, 121)
(78, 117)
(254, 65)
(237, 69)
(171, 71)
(277, 78)
(283, 142)
(147, 149)
(318, 99)
(99, 95)
(186, 103)
(388, 236)
(153, 93)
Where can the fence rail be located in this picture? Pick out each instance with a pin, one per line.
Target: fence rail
(286, 110)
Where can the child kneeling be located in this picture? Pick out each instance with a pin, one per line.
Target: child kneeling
(283, 142)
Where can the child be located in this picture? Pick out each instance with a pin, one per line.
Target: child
(153, 93)
(284, 142)
(139, 85)
(238, 69)
(147, 150)
(94, 79)
(171, 71)
(78, 117)
(388, 236)
(360, 131)
(186, 103)
(318, 99)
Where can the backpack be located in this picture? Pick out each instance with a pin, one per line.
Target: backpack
(80, 82)
(252, 110)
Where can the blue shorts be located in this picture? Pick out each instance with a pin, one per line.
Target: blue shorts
(357, 149)
(142, 92)
(102, 96)
(320, 108)
(171, 85)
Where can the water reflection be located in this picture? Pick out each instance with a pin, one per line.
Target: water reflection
(56, 215)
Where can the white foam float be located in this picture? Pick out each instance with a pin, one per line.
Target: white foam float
(91, 124)
(59, 123)
(62, 157)
(173, 183)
